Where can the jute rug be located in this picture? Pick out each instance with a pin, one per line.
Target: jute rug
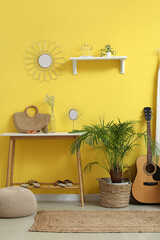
(96, 221)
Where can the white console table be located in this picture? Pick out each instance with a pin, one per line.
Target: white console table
(57, 135)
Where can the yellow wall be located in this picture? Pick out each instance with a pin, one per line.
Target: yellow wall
(131, 27)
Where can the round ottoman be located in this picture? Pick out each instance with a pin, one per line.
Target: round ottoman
(16, 202)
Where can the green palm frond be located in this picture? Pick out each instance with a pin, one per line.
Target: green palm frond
(93, 136)
(116, 140)
(89, 166)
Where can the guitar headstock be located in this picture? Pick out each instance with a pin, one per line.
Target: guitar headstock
(148, 113)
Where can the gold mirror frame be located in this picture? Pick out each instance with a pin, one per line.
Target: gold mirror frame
(51, 64)
(73, 114)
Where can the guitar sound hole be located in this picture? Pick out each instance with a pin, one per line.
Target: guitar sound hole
(150, 168)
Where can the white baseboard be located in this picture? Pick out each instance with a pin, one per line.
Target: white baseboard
(65, 197)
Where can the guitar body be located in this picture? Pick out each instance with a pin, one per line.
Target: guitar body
(146, 186)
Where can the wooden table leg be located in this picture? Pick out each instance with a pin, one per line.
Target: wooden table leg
(9, 160)
(80, 178)
(12, 162)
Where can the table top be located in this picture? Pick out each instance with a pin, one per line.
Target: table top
(18, 134)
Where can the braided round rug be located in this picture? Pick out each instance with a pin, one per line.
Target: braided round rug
(82, 221)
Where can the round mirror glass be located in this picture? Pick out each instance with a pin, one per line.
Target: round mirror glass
(73, 114)
(45, 60)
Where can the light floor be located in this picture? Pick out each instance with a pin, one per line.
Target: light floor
(17, 228)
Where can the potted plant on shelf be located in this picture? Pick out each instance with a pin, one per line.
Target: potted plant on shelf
(107, 51)
(116, 140)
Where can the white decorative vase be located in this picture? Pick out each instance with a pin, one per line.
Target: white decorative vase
(108, 54)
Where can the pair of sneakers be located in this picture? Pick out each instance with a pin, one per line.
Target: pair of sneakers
(31, 183)
(63, 184)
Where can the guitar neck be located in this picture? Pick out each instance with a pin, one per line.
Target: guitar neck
(149, 149)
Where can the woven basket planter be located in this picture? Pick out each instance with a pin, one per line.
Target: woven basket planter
(114, 195)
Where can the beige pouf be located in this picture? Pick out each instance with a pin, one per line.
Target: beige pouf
(16, 202)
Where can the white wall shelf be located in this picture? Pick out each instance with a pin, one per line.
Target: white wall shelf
(121, 59)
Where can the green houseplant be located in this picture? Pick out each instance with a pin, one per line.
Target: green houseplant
(107, 51)
(116, 140)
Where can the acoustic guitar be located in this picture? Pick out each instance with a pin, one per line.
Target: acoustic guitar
(146, 186)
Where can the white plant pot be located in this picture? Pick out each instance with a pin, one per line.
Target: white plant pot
(108, 54)
(124, 182)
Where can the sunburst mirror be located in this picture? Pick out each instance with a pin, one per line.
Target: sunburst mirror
(73, 114)
(44, 61)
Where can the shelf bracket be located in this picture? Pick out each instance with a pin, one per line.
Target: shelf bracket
(74, 67)
(122, 66)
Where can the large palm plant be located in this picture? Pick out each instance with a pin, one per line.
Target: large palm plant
(116, 140)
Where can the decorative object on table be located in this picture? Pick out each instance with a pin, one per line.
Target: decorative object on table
(146, 184)
(50, 100)
(73, 114)
(31, 132)
(116, 140)
(86, 50)
(77, 221)
(45, 129)
(44, 61)
(16, 202)
(24, 123)
(107, 51)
